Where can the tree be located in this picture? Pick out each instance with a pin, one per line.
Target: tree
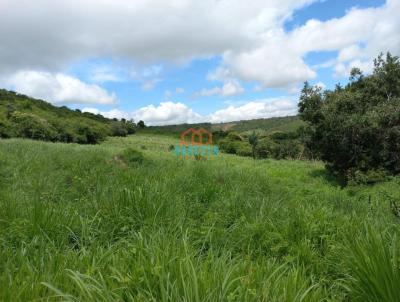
(253, 141)
(356, 129)
(141, 125)
(118, 129)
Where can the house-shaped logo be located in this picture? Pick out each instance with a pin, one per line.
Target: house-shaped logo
(196, 137)
(196, 143)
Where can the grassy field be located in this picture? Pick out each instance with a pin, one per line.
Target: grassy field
(81, 223)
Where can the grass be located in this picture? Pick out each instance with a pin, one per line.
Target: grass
(78, 223)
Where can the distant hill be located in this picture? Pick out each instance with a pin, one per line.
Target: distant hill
(267, 126)
(23, 116)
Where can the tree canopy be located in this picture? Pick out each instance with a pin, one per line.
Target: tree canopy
(356, 129)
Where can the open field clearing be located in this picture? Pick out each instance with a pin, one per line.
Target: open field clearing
(88, 223)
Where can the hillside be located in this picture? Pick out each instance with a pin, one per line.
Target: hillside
(265, 126)
(23, 116)
(85, 223)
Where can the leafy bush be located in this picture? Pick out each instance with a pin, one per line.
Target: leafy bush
(357, 128)
(286, 149)
(5, 129)
(369, 177)
(244, 150)
(264, 148)
(228, 146)
(31, 126)
(131, 156)
(90, 135)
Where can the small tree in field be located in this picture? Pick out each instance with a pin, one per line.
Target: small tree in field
(253, 141)
(141, 125)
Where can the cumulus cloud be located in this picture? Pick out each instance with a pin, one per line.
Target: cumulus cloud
(230, 88)
(58, 33)
(250, 39)
(58, 88)
(166, 113)
(278, 60)
(105, 73)
(149, 76)
(169, 113)
(343, 69)
(254, 110)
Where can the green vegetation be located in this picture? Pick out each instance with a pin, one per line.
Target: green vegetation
(277, 145)
(356, 129)
(22, 116)
(111, 223)
(262, 126)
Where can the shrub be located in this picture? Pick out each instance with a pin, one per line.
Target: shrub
(231, 143)
(234, 137)
(280, 135)
(131, 156)
(5, 129)
(28, 125)
(286, 149)
(369, 177)
(244, 150)
(264, 148)
(118, 129)
(228, 146)
(90, 134)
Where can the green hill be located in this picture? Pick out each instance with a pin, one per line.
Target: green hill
(23, 116)
(266, 126)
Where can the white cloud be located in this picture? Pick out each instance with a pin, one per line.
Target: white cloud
(137, 30)
(149, 76)
(342, 70)
(105, 73)
(168, 113)
(113, 113)
(58, 88)
(250, 39)
(230, 88)
(254, 110)
(321, 85)
(179, 90)
(277, 61)
(150, 84)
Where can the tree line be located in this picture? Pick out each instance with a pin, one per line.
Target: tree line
(22, 116)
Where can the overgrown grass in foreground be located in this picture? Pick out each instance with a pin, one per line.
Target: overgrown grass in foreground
(77, 223)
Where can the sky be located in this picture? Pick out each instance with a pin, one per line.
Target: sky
(187, 61)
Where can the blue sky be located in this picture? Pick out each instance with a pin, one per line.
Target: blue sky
(189, 61)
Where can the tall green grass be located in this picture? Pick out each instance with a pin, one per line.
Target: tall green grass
(82, 223)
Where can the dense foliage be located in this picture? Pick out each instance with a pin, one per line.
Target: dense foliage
(22, 116)
(356, 128)
(277, 145)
